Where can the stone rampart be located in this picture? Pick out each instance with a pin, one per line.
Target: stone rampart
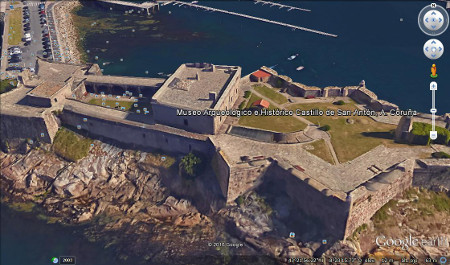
(132, 134)
(368, 198)
(330, 210)
(42, 128)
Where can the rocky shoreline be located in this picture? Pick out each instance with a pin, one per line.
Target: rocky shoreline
(131, 201)
(66, 31)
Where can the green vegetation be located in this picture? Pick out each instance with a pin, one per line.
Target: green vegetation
(242, 105)
(325, 127)
(247, 94)
(270, 93)
(272, 123)
(71, 146)
(15, 26)
(421, 132)
(339, 103)
(112, 103)
(22, 206)
(321, 150)
(128, 105)
(440, 155)
(7, 85)
(240, 200)
(382, 214)
(350, 140)
(160, 160)
(191, 165)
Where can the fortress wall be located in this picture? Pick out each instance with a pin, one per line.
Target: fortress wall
(135, 135)
(348, 90)
(366, 203)
(244, 178)
(227, 99)
(331, 92)
(330, 210)
(13, 126)
(222, 171)
(164, 114)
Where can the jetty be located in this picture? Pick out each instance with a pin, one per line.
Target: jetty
(289, 8)
(146, 6)
(293, 27)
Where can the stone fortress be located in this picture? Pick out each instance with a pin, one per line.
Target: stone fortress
(342, 196)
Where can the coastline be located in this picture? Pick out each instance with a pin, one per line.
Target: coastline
(68, 35)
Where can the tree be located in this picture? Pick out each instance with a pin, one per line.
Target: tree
(190, 165)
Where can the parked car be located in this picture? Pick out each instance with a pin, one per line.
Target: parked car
(27, 20)
(14, 68)
(15, 58)
(27, 36)
(15, 50)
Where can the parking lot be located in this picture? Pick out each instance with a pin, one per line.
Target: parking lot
(38, 39)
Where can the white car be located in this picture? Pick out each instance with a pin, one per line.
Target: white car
(15, 50)
(27, 37)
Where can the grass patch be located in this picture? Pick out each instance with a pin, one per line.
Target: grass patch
(421, 132)
(160, 160)
(70, 146)
(272, 123)
(270, 94)
(7, 85)
(15, 26)
(350, 140)
(321, 150)
(22, 206)
(118, 104)
(381, 215)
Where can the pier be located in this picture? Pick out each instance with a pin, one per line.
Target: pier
(293, 27)
(147, 6)
(289, 8)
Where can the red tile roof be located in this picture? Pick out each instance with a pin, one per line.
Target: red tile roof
(262, 103)
(261, 74)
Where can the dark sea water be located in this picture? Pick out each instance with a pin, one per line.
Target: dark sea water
(28, 240)
(373, 45)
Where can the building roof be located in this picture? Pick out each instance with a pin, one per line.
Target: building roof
(191, 84)
(261, 74)
(46, 89)
(261, 103)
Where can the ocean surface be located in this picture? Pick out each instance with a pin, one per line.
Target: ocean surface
(379, 42)
(373, 44)
(29, 240)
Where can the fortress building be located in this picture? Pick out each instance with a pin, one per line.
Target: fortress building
(342, 197)
(196, 87)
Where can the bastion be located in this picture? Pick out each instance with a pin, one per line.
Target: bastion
(342, 197)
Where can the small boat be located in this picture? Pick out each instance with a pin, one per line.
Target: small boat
(299, 68)
(292, 57)
(194, 2)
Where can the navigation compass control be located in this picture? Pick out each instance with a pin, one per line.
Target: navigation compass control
(433, 20)
(433, 49)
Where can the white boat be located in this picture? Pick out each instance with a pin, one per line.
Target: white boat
(299, 68)
(292, 57)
